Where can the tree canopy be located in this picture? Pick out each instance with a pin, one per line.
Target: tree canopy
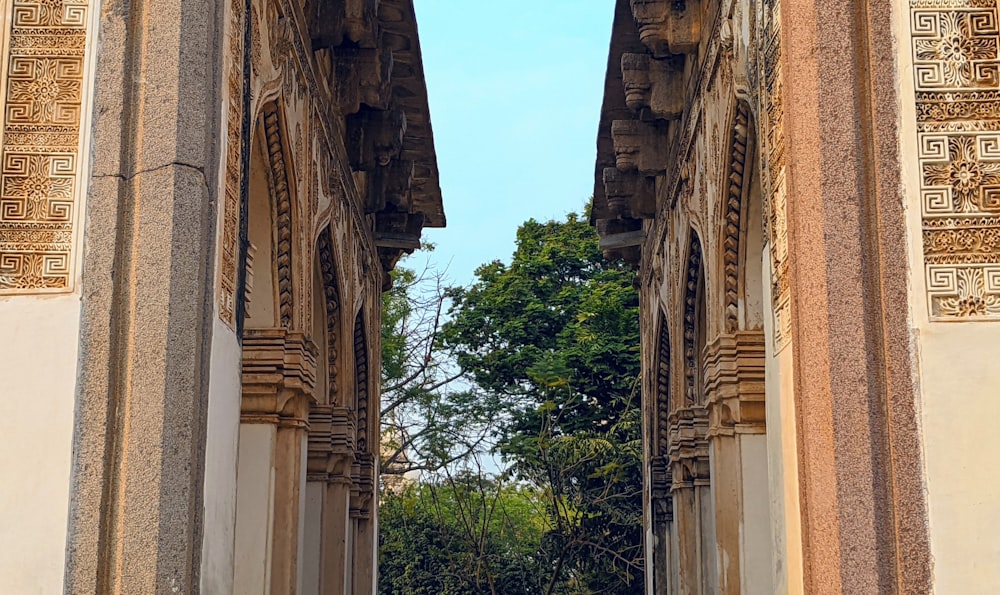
(550, 344)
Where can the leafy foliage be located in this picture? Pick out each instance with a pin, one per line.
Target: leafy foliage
(556, 334)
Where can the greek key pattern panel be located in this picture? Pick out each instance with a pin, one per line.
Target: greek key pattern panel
(956, 68)
(39, 180)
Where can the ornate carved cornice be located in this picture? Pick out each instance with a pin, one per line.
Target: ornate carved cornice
(734, 383)
(279, 376)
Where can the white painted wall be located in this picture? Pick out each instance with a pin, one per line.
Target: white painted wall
(221, 448)
(782, 453)
(39, 339)
(254, 506)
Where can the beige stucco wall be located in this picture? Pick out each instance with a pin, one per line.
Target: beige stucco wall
(38, 363)
(959, 383)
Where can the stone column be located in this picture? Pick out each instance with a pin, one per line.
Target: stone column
(689, 457)
(146, 324)
(662, 513)
(735, 388)
(279, 370)
(365, 539)
(851, 340)
(331, 455)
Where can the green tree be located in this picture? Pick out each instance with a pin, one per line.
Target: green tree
(553, 337)
(463, 534)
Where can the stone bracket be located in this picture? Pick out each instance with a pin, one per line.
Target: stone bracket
(654, 87)
(668, 26)
(374, 137)
(639, 146)
(339, 22)
(363, 76)
(630, 194)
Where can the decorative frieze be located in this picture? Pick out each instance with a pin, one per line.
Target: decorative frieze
(40, 186)
(956, 67)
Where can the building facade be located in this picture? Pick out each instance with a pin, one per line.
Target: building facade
(808, 190)
(199, 205)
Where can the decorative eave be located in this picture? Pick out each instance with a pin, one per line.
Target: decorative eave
(643, 93)
(409, 91)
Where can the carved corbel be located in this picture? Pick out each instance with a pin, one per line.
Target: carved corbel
(689, 446)
(332, 434)
(654, 84)
(630, 194)
(336, 22)
(668, 26)
(661, 482)
(375, 137)
(363, 77)
(734, 383)
(639, 146)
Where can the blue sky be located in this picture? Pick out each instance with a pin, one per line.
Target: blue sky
(515, 89)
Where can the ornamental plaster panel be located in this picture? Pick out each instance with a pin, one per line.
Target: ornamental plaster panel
(956, 70)
(46, 57)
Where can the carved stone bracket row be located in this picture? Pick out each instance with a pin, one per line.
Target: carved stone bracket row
(668, 26)
(734, 383)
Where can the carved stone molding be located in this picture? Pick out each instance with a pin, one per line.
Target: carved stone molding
(956, 68)
(692, 293)
(661, 409)
(652, 84)
(669, 26)
(332, 302)
(661, 484)
(734, 383)
(363, 486)
(40, 190)
(734, 212)
(361, 382)
(279, 376)
(283, 207)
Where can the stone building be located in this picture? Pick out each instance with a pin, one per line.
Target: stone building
(199, 205)
(809, 190)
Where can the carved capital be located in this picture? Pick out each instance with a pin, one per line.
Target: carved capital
(654, 84)
(639, 146)
(734, 383)
(375, 137)
(630, 193)
(689, 447)
(279, 375)
(332, 435)
(668, 26)
(363, 485)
